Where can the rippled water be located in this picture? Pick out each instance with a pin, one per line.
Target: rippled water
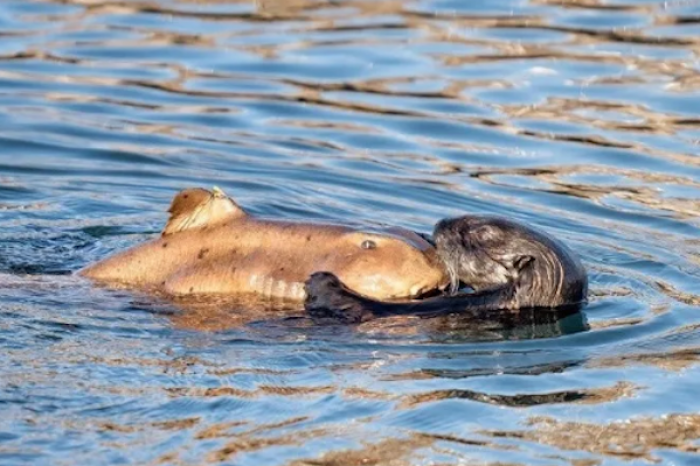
(579, 116)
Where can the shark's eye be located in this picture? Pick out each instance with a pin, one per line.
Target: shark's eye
(368, 244)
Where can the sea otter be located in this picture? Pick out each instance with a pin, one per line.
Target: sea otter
(210, 245)
(510, 266)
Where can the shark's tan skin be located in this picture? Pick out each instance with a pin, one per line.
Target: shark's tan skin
(212, 246)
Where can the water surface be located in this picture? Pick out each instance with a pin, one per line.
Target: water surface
(580, 117)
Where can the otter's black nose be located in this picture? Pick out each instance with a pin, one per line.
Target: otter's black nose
(450, 232)
(442, 226)
(454, 226)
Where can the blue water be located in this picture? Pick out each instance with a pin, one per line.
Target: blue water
(579, 117)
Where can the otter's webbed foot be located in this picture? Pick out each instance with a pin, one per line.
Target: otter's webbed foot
(329, 301)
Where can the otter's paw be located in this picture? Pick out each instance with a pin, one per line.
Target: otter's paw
(329, 301)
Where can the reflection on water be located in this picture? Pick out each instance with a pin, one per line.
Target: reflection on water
(577, 116)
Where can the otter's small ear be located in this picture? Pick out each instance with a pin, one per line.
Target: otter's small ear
(521, 262)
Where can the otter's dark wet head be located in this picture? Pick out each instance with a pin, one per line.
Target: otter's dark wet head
(483, 252)
(486, 252)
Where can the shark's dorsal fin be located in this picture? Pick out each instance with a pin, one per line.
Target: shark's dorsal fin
(197, 208)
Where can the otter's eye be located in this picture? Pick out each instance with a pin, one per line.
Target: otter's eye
(368, 244)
